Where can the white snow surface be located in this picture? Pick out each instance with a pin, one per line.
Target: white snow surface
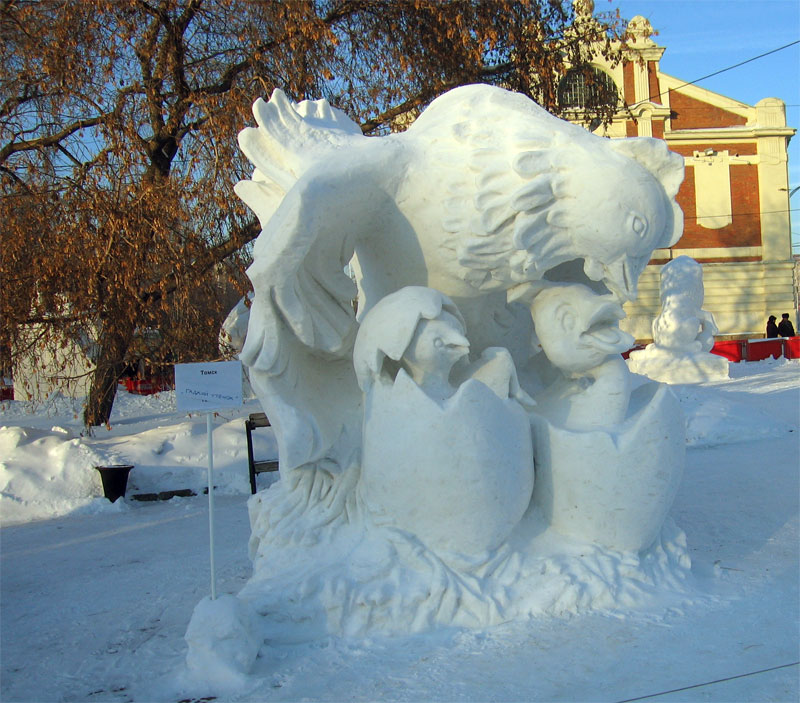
(96, 597)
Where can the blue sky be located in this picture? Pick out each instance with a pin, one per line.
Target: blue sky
(703, 36)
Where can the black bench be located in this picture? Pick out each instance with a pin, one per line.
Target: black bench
(256, 467)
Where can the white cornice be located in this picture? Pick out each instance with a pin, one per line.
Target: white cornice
(646, 53)
(707, 252)
(727, 133)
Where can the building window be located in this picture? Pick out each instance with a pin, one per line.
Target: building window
(589, 86)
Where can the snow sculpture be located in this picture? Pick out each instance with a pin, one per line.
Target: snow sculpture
(483, 198)
(411, 453)
(454, 466)
(608, 460)
(683, 333)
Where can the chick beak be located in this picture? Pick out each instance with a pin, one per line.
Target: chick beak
(603, 332)
(456, 343)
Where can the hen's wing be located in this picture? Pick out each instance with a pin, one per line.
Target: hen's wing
(301, 322)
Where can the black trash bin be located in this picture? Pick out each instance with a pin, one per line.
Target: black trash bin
(115, 479)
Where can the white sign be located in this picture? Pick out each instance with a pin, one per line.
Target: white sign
(208, 386)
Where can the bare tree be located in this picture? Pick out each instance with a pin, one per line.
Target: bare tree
(118, 122)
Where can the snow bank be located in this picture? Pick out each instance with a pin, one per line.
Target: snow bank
(713, 420)
(46, 473)
(47, 470)
(174, 456)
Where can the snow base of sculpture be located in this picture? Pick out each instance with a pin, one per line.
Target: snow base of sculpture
(668, 366)
(321, 575)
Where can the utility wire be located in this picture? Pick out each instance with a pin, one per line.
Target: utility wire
(741, 214)
(723, 70)
(729, 68)
(709, 683)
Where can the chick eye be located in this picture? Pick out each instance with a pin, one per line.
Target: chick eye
(638, 224)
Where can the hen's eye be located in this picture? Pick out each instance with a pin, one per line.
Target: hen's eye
(638, 224)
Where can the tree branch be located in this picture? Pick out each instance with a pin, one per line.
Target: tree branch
(420, 98)
(225, 83)
(11, 103)
(188, 15)
(51, 319)
(51, 139)
(14, 177)
(212, 256)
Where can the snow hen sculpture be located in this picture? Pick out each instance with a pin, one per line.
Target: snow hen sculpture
(434, 449)
(485, 197)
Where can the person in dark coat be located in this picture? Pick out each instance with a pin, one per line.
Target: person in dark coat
(772, 328)
(785, 326)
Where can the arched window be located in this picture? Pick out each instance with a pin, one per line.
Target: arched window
(586, 86)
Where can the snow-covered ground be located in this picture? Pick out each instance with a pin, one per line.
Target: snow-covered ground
(96, 597)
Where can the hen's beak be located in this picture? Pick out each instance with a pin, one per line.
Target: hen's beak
(620, 279)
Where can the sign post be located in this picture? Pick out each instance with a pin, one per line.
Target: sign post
(209, 387)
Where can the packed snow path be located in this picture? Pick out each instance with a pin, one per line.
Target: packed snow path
(95, 606)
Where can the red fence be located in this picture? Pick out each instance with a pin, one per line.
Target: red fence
(758, 349)
(750, 349)
(146, 386)
(791, 347)
(732, 349)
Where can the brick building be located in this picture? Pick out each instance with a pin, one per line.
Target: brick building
(735, 196)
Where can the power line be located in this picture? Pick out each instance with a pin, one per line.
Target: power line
(736, 65)
(709, 683)
(741, 214)
(728, 68)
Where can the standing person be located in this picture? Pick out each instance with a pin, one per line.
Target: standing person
(772, 328)
(785, 326)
